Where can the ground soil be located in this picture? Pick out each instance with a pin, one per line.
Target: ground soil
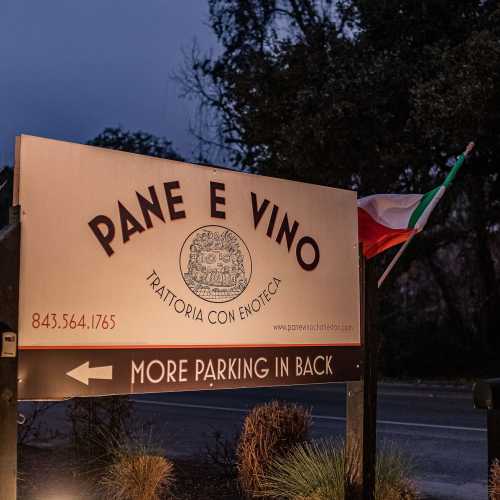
(59, 474)
(202, 481)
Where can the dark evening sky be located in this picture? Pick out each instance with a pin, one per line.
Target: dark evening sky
(69, 68)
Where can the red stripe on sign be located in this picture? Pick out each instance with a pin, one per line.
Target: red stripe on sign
(152, 346)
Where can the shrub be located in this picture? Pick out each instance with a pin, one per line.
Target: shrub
(315, 470)
(98, 424)
(137, 473)
(269, 431)
(392, 473)
(322, 470)
(34, 427)
(221, 452)
(494, 485)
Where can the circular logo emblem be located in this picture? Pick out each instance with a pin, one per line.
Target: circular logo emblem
(215, 264)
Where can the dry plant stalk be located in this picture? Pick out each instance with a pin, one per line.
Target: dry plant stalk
(494, 485)
(138, 477)
(269, 431)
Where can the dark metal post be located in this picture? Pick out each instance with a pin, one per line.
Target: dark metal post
(361, 436)
(9, 297)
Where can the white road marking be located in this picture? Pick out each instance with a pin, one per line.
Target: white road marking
(395, 390)
(413, 424)
(318, 417)
(188, 405)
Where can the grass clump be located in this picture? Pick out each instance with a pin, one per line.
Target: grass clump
(392, 475)
(137, 472)
(322, 470)
(270, 431)
(312, 470)
(494, 483)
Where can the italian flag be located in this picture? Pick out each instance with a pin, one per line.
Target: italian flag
(385, 220)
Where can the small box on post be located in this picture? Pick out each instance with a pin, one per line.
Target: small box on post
(486, 395)
(9, 345)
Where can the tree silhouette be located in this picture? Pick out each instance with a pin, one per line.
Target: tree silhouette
(378, 97)
(6, 180)
(138, 142)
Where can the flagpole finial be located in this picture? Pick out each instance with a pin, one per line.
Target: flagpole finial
(469, 148)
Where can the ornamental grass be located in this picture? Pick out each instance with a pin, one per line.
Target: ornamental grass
(494, 484)
(137, 472)
(322, 470)
(313, 471)
(270, 431)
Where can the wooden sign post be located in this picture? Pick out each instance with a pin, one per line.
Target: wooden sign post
(9, 275)
(487, 397)
(361, 423)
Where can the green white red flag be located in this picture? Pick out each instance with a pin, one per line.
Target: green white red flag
(385, 220)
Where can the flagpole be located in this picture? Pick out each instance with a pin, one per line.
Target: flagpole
(447, 182)
(394, 260)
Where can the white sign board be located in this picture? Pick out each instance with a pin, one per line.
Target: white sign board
(121, 251)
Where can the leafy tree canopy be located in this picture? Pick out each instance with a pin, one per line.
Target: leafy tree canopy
(375, 96)
(6, 181)
(135, 142)
(342, 92)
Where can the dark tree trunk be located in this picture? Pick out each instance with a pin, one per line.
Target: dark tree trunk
(488, 306)
(450, 299)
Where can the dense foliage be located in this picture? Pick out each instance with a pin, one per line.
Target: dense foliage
(378, 97)
(6, 182)
(139, 142)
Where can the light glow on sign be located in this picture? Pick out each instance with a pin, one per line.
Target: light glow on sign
(140, 274)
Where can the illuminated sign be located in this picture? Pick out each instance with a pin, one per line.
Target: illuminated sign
(140, 274)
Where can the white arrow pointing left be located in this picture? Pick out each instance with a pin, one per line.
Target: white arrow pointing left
(84, 372)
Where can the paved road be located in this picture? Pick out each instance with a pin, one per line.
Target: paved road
(438, 427)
